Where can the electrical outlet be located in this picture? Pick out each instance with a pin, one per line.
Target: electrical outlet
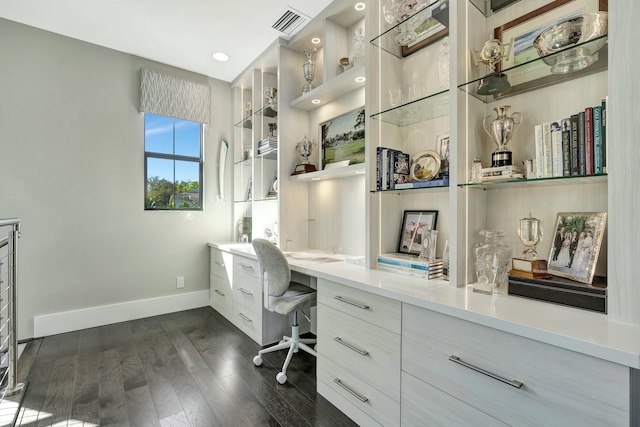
(180, 282)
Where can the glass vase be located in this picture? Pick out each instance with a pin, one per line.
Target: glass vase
(493, 258)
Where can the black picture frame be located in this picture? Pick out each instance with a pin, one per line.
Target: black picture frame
(413, 221)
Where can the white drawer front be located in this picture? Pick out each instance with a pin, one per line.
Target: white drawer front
(221, 264)
(220, 294)
(245, 265)
(246, 291)
(377, 405)
(247, 320)
(559, 387)
(375, 309)
(369, 352)
(424, 405)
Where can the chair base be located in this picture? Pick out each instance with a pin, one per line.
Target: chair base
(294, 343)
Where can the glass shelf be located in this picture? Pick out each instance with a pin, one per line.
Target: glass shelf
(266, 112)
(540, 182)
(242, 201)
(267, 199)
(244, 123)
(245, 162)
(442, 188)
(536, 73)
(271, 155)
(420, 110)
(387, 40)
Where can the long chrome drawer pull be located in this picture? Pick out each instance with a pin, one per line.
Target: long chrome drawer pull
(350, 346)
(358, 396)
(219, 263)
(512, 383)
(218, 292)
(248, 319)
(245, 266)
(244, 291)
(356, 303)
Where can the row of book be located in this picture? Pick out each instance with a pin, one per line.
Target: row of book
(573, 146)
(392, 172)
(410, 265)
(267, 145)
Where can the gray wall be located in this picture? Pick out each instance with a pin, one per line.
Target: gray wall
(71, 166)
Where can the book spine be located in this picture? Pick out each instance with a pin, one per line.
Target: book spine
(423, 184)
(582, 153)
(547, 153)
(511, 168)
(411, 273)
(400, 263)
(588, 140)
(379, 168)
(539, 152)
(556, 147)
(385, 169)
(392, 162)
(604, 134)
(566, 147)
(597, 139)
(575, 167)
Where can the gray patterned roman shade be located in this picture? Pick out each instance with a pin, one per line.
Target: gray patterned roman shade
(171, 96)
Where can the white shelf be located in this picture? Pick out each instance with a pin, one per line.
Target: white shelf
(330, 90)
(345, 171)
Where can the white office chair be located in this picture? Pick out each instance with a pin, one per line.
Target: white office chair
(283, 296)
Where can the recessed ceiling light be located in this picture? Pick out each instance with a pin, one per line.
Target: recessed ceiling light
(315, 179)
(315, 101)
(220, 56)
(359, 6)
(315, 40)
(360, 79)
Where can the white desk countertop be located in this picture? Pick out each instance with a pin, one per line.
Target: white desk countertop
(574, 329)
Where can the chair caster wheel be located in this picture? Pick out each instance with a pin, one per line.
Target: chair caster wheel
(281, 377)
(258, 361)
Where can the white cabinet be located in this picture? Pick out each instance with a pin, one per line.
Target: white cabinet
(220, 278)
(359, 353)
(236, 294)
(513, 379)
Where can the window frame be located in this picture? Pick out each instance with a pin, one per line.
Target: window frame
(175, 157)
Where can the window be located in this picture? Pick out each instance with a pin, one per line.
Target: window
(173, 163)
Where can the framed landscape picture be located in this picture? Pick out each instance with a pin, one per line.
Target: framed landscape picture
(576, 245)
(343, 139)
(413, 225)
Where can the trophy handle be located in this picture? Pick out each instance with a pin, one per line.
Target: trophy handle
(485, 126)
(517, 120)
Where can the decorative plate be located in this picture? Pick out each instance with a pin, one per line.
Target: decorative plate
(425, 166)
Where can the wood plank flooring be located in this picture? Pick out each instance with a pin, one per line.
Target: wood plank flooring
(191, 368)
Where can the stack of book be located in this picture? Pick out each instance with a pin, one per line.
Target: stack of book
(267, 145)
(573, 146)
(392, 168)
(533, 269)
(500, 173)
(410, 265)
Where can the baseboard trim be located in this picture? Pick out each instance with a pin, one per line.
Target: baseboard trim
(68, 321)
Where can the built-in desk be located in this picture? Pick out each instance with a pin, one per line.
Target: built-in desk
(576, 367)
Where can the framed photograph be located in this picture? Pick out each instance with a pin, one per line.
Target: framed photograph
(445, 156)
(520, 33)
(343, 138)
(413, 225)
(576, 245)
(249, 190)
(428, 30)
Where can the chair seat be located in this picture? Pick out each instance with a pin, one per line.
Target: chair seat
(297, 297)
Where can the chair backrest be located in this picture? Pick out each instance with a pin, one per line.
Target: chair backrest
(272, 262)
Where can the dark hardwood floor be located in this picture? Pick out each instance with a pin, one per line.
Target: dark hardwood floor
(192, 368)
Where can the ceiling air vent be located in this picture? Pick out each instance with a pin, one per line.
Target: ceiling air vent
(290, 20)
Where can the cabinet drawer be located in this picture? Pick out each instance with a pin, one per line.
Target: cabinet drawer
(369, 352)
(245, 265)
(559, 387)
(423, 405)
(374, 309)
(377, 405)
(247, 320)
(246, 291)
(221, 264)
(220, 295)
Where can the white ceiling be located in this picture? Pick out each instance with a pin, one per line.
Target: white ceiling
(181, 33)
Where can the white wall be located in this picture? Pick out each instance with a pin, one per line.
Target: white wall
(71, 166)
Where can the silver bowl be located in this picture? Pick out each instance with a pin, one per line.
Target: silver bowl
(571, 32)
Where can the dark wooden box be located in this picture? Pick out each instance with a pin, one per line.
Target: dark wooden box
(562, 291)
